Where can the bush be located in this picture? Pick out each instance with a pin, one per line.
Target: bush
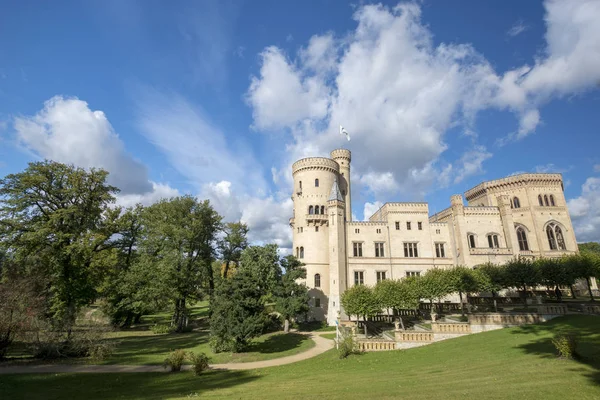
(175, 360)
(346, 344)
(199, 362)
(102, 350)
(566, 344)
(160, 329)
(272, 323)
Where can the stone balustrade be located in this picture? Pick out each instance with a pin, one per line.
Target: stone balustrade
(375, 345)
(552, 309)
(404, 336)
(457, 328)
(504, 319)
(591, 308)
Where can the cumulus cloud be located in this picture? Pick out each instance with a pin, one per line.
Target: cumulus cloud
(370, 209)
(585, 211)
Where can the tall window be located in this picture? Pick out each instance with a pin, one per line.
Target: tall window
(410, 250)
(540, 200)
(493, 241)
(552, 201)
(522, 238)
(408, 226)
(316, 229)
(380, 276)
(357, 231)
(297, 252)
(378, 230)
(318, 280)
(471, 239)
(322, 209)
(316, 183)
(300, 185)
(359, 277)
(301, 255)
(311, 210)
(516, 202)
(317, 302)
(420, 226)
(556, 239)
(439, 250)
(357, 249)
(379, 249)
(413, 273)
(546, 200)
(397, 225)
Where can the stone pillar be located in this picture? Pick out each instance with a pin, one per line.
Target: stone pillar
(508, 224)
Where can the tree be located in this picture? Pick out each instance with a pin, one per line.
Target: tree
(521, 273)
(463, 280)
(584, 266)
(491, 278)
(360, 300)
(179, 240)
(589, 247)
(55, 220)
(232, 244)
(261, 263)
(397, 295)
(555, 272)
(291, 297)
(435, 284)
(238, 313)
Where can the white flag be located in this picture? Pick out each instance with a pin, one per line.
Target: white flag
(343, 131)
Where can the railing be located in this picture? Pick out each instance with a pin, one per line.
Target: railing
(490, 300)
(489, 250)
(504, 319)
(317, 217)
(440, 307)
(458, 328)
(591, 309)
(375, 345)
(552, 309)
(403, 336)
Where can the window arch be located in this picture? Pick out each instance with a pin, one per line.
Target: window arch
(316, 209)
(301, 255)
(522, 238)
(552, 201)
(316, 183)
(540, 200)
(311, 210)
(516, 202)
(556, 240)
(318, 280)
(546, 200)
(323, 210)
(471, 239)
(493, 241)
(297, 252)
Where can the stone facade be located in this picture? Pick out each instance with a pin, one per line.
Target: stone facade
(523, 215)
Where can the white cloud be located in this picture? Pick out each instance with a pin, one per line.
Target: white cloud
(585, 211)
(159, 191)
(471, 163)
(518, 28)
(551, 168)
(370, 209)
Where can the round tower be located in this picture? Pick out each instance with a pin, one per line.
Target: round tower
(313, 179)
(343, 158)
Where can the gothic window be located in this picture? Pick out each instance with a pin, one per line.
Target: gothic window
(379, 249)
(301, 255)
(471, 238)
(493, 241)
(540, 200)
(516, 202)
(322, 209)
(552, 201)
(311, 210)
(556, 240)
(546, 200)
(511, 204)
(297, 253)
(522, 238)
(560, 240)
(318, 280)
(316, 183)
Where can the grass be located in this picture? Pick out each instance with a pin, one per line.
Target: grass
(515, 363)
(328, 336)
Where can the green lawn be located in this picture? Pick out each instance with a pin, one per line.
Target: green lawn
(328, 336)
(515, 363)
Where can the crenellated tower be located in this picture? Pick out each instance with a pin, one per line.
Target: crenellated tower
(343, 158)
(336, 208)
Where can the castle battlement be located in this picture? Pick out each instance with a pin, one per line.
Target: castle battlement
(315, 163)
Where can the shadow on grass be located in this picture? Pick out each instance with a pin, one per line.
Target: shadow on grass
(123, 386)
(588, 348)
(278, 343)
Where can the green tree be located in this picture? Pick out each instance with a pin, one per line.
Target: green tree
(491, 278)
(291, 297)
(555, 272)
(521, 273)
(261, 263)
(361, 301)
(589, 247)
(56, 221)
(232, 244)
(463, 280)
(397, 295)
(435, 284)
(584, 266)
(179, 239)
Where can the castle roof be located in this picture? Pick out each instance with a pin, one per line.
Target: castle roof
(335, 193)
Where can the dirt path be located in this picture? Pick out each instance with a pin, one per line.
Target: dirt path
(321, 346)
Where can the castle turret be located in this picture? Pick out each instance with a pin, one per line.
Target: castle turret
(343, 158)
(336, 210)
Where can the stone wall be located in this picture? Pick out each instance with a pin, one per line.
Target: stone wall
(455, 328)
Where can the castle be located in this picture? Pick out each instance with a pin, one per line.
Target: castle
(522, 215)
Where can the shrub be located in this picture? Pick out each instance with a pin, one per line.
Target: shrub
(175, 360)
(160, 329)
(102, 350)
(346, 344)
(566, 344)
(199, 362)
(222, 344)
(272, 323)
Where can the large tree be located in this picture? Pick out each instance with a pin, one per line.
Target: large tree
(262, 264)
(360, 300)
(398, 295)
(463, 280)
(291, 297)
(232, 244)
(522, 274)
(555, 272)
(178, 242)
(434, 285)
(584, 266)
(55, 220)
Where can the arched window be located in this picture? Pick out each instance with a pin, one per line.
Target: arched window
(552, 201)
(323, 210)
(301, 255)
(311, 210)
(551, 237)
(511, 204)
(297, 253)
(317, 280)
(316, 183)
(300, 185)
(560, 240)
(471, 239)
(546, 200)
(516, 202)
(540, 200)
(493, 241)
(556, 240)
(522, 238)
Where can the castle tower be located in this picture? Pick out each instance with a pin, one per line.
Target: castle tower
(313, 179)
(343, 158)
(458, 213)
(336, 208)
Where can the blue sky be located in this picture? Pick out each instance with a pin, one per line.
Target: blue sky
(218, 98)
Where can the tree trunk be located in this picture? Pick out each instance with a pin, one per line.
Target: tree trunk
(365, 318)
(525, 297)
(572, 292)
(462, 307)
(587, 279)
(128, 319)
(137, 318)
(226, 269)
(286, 325)
(401, 322)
